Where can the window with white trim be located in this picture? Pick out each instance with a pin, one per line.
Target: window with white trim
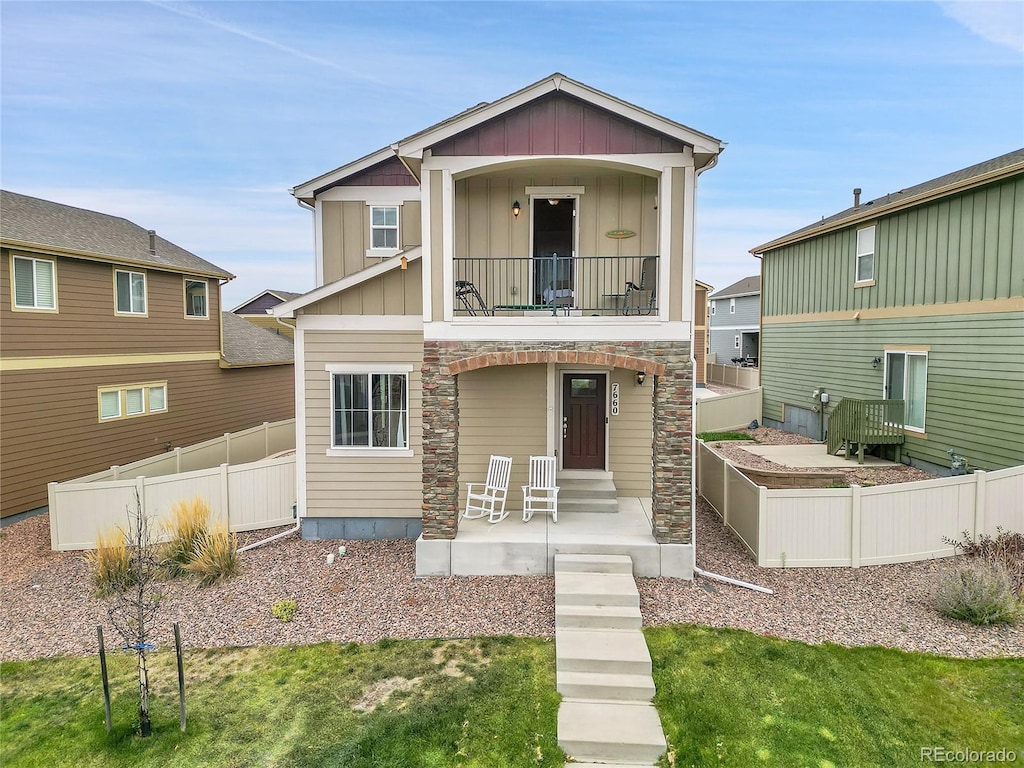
(384, 228)
(732, 306)
(906, 379)
(35, 284)
(130, 290)
(369, 410)
(865, 254)
(195, 298)
(736, 342)
(130, 400)
(713, 303)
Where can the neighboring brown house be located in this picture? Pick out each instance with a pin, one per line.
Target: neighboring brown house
(700, 332)
(111, 351)
(257, 311)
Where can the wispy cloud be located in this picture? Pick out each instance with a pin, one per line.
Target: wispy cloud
(998, 22)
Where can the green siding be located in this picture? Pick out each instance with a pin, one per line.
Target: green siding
(975, 384)
(966, 247)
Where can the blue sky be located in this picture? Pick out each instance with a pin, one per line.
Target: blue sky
(195, 119)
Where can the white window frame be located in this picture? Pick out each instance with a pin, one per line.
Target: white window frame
(132, 311)
(369, 369)
(907, 353)
(870, 279)
(35, 306)
(732, 306)
(735, 342)
(206, 298)
(122, 390)
(713, 303)
(385, 252)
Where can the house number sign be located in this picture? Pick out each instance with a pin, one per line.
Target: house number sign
(615, 398)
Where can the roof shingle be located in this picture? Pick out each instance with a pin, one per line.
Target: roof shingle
(248, 344)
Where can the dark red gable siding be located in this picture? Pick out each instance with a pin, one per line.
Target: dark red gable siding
(557, 124)
(389, 173)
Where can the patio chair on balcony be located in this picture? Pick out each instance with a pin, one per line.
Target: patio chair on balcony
(490, 500)
(642, 299)
(470, 298)
(541, 495)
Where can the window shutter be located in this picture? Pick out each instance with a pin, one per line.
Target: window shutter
(24, 288)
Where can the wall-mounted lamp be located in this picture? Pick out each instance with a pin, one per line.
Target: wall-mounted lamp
(640, 378)
(553, 201)
(516, 209)
(875, 362)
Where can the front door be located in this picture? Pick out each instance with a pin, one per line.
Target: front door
(583, 420)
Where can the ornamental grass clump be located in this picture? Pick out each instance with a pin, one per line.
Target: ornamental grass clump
(189, 523)
(979, 592)
(111, 562)
(216, 556)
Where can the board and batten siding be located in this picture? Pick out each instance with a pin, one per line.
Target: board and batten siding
(398, 292)
(345, 232)
(371, 486)
(961, 248)
(50, 430)
(975, 377)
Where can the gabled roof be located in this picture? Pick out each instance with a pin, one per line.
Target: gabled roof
(30, 223)
(1010, 164)
(748, 286)
(246, 344)
(705, 286)
(412, 147)
(281, 295)
(330, 289)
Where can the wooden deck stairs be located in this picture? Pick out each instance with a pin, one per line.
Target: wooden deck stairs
(857, 425)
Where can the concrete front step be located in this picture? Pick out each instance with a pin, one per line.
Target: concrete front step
(600, 589)
(572, 563)
(597, 617)
(616, 732)
(589, 489)
(571, 505)
(609, 651)
(605, 687)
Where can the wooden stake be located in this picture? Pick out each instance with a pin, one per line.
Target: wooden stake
(103, 674)
(181, 678)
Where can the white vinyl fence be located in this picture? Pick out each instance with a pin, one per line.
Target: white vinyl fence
(734, 375)
(859, 526)
(725, 412)
(247, 484)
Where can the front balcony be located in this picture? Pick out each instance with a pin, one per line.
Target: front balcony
(557, 286)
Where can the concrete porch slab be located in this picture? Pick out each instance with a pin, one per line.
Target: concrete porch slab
(809, 455)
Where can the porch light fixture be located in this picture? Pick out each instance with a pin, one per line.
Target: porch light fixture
(640, 378)
(875, 362)
(553, 201)
(516, 209)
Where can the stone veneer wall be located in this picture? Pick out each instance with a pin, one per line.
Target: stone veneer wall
(669, 364)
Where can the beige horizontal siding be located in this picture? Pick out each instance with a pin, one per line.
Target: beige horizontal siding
(339, 486)
(631, 435)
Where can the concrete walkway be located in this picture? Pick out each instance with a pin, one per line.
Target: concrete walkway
(603, 665)
(809, 455)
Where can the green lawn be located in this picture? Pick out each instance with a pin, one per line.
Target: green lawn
(726, 698)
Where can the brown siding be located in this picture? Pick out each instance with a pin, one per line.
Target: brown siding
(557, 124)
(86, 324)
(50, 430)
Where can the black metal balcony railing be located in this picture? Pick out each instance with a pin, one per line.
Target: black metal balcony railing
(556, 285)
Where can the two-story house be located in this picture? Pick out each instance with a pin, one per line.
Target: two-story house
(734, 320)
(113, 347)
(917, 296)
(514, 280)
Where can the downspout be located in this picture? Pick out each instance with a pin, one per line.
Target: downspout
(298, 520)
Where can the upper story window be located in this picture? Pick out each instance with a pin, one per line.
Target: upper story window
(130, 292)
(383, 230)
(713, 303)
(906, 379)
(732, 306)
(196, 298)
(369, 409)
(35, 284)
(866, 254)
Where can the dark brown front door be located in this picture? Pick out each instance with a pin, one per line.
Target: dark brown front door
(583, 420)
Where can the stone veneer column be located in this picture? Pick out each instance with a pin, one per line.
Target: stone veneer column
(440, 444)
(673, 459)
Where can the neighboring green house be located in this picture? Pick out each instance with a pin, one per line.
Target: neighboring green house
(917, 295)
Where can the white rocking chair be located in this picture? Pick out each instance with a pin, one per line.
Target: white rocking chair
(541, 495)
(491, 500)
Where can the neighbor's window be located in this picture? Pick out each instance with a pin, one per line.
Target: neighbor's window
(132, 400)
(906, 375)
(736, 342)
(713, 307)
(34, 283)
(195, 298)
(370, 410)
(384, 227)
(866, 254)
(131, 292)
(732, 306)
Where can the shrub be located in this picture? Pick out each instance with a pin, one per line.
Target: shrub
(189, 523)
(284, 610)
(978, 592)
(711, 437)
(110, 561)
(1006, 550)
(215, 557)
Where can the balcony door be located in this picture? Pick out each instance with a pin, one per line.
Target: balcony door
(554, 246)
(583, 420)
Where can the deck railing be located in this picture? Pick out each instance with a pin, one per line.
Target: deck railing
(557, 285)
(861, 423)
